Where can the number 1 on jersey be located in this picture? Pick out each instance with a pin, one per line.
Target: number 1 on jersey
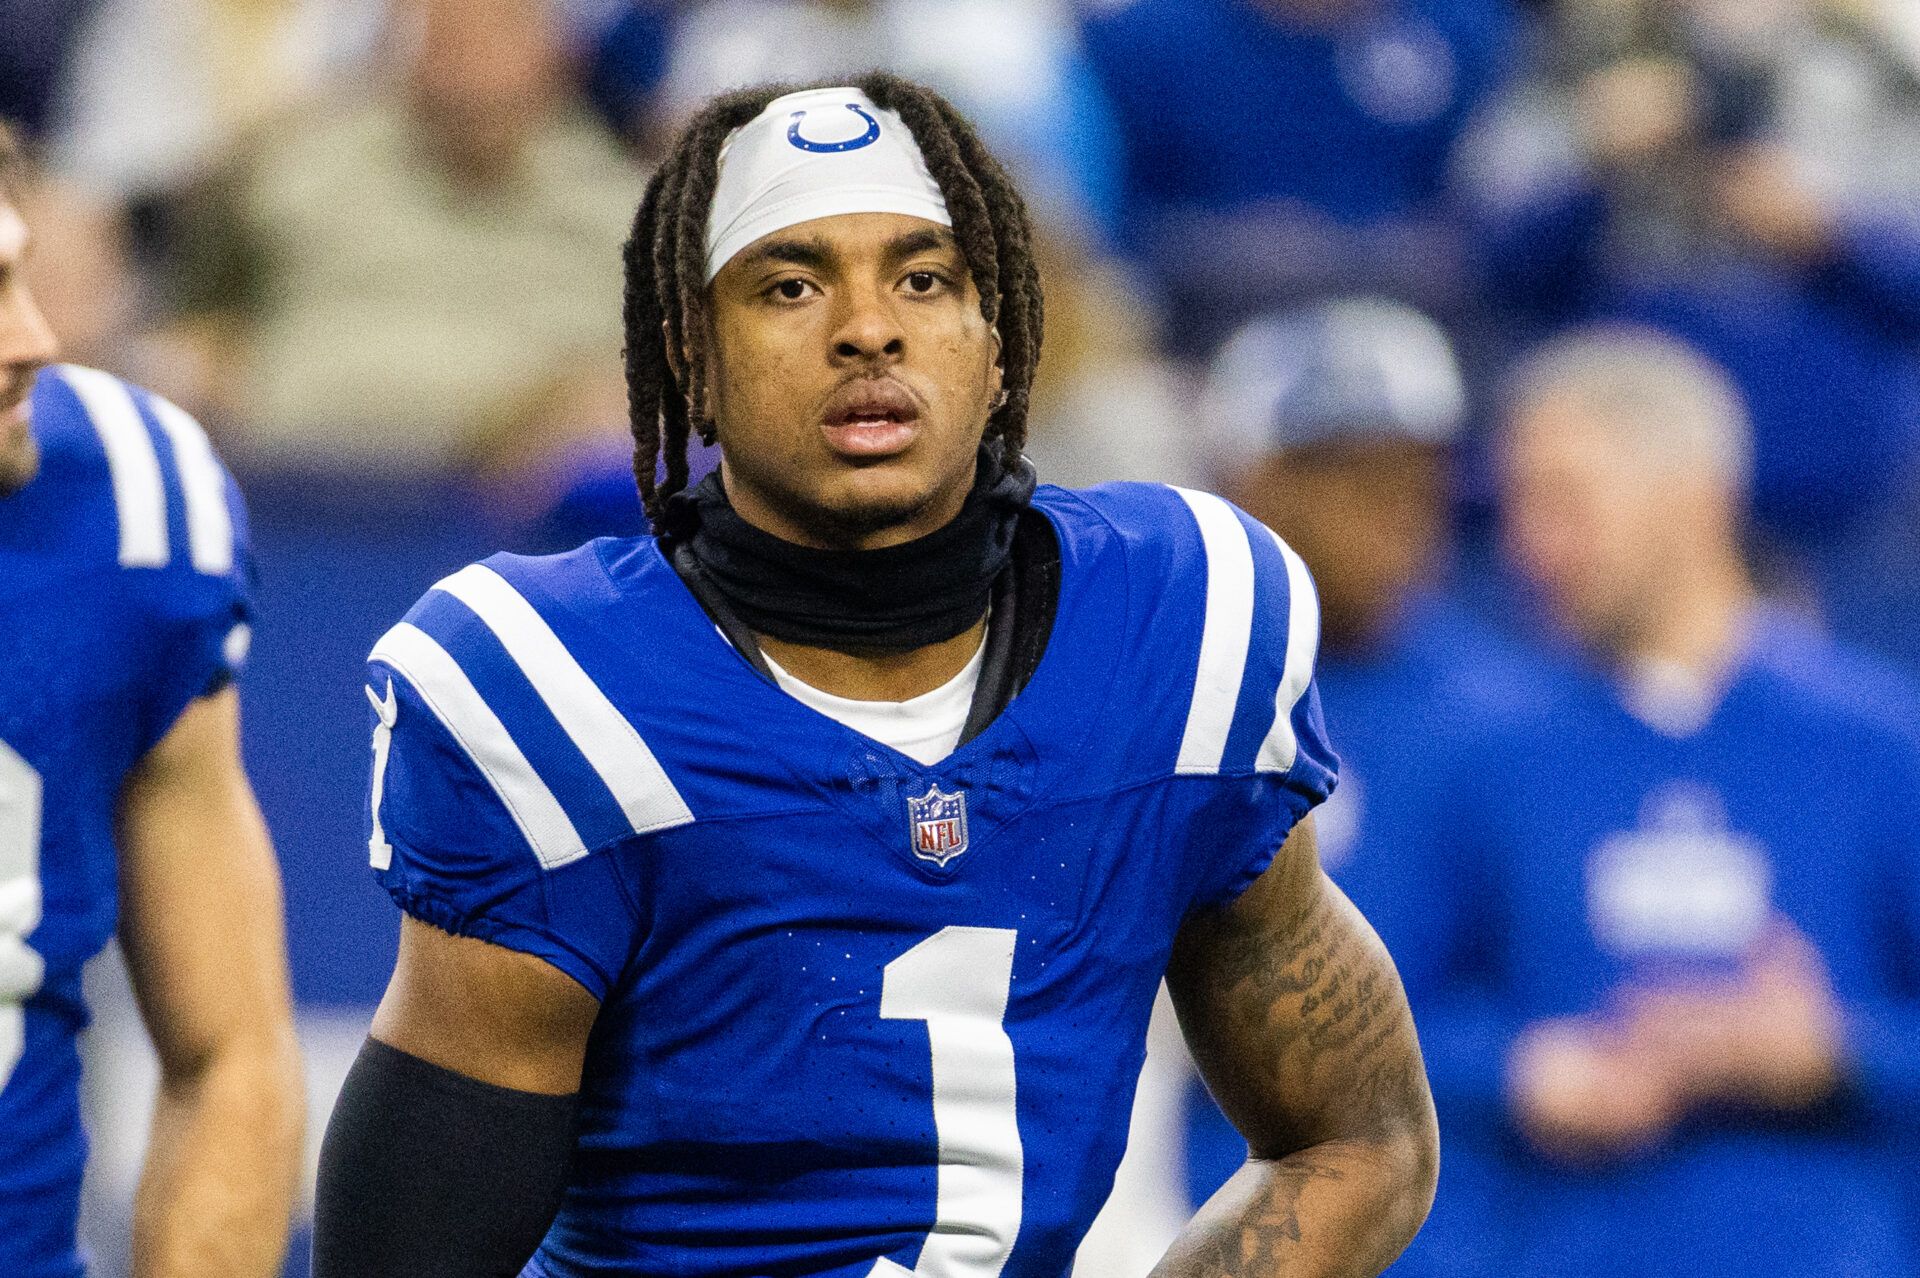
(958, 981)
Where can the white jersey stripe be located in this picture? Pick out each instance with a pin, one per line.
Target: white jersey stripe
(605, 736)
(139, 493)
(1224, 635)
(443, 685)
(1282, 745)
(209, 521)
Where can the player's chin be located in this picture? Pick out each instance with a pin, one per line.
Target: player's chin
(865, 501)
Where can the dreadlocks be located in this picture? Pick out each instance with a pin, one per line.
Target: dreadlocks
(665, 310)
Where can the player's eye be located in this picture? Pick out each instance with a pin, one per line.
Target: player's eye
(790, 290)
(923, 281)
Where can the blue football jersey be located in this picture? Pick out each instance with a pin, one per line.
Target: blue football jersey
(860, 1017)
(1598, 854)
(122, 566)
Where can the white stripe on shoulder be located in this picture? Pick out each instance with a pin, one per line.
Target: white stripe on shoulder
(209, 521)
(1224, 635)
(605, 736)
(1282, 746)
(444, 686)
(139, 494)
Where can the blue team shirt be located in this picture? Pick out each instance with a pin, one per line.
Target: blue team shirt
(1596, 853)
(122, 587)
(860, 1016)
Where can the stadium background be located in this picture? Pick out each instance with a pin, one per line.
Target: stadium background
(373, 245)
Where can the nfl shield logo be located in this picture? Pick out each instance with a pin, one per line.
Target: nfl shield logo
(938, 822)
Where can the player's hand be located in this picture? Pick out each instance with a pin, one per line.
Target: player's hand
(1770, 1039)
(1582, 1093)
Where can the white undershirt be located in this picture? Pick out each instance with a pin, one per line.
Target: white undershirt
(925, 728)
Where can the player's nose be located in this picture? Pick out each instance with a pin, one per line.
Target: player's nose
(868, 330)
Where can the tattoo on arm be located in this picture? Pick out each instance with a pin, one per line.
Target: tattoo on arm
(1298, 1022)
(1259, 1247)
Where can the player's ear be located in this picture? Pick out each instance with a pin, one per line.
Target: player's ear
(999, 373)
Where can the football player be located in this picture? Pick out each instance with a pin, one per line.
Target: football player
(788, 893)
(123, 806)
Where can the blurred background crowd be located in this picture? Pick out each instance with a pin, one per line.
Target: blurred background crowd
(1575, 344)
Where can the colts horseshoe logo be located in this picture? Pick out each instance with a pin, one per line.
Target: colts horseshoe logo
(868, 138)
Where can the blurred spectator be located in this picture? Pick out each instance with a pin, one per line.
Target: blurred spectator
(79, 272)
(1743, 175)
(429, 275)
(1345, 413)
(1014, 67)
(1109, 406)
(1691, 990)
(1292, 148)
(625, 48)
(159, 91)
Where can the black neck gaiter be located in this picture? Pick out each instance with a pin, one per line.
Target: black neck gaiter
(891, 600)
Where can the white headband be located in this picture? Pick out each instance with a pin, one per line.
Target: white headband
(816, 153)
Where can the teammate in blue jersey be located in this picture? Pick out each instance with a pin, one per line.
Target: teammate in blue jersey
(787, 895)
(1338, 418)
(123, 614)
(1692, 1005)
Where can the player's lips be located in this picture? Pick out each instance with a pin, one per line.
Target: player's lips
(870, 417)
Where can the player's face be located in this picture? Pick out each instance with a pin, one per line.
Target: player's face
(26, 346)
(1587, 524)
(1368, 518)
(852, 375)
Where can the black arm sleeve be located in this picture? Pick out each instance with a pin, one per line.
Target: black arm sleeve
(425, 1173)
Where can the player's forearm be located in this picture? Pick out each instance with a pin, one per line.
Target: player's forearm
(1344, 1209)
(217, 1193)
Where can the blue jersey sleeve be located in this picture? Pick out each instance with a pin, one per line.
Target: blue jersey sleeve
(1253, 723)
(180, 540)
(209, 618)
(483, 820)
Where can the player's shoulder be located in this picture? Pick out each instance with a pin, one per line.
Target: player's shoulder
(1175, 541)
(1221, 625)
(1828, 684)
(1145, 520)
(137, 477)
(505, 597)
(1483, 672)
(528, 668)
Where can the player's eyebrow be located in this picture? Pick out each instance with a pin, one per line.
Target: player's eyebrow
(811, 254)
(926, 239)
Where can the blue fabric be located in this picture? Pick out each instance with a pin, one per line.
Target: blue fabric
(625, 62)
(1824, 356)
(1805, 782)
(1222, 107)
(746, 1108)
(100, 661)
(41, 35)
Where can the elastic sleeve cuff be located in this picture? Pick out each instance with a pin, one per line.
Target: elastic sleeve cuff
(523, 938)
(1295, 806)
